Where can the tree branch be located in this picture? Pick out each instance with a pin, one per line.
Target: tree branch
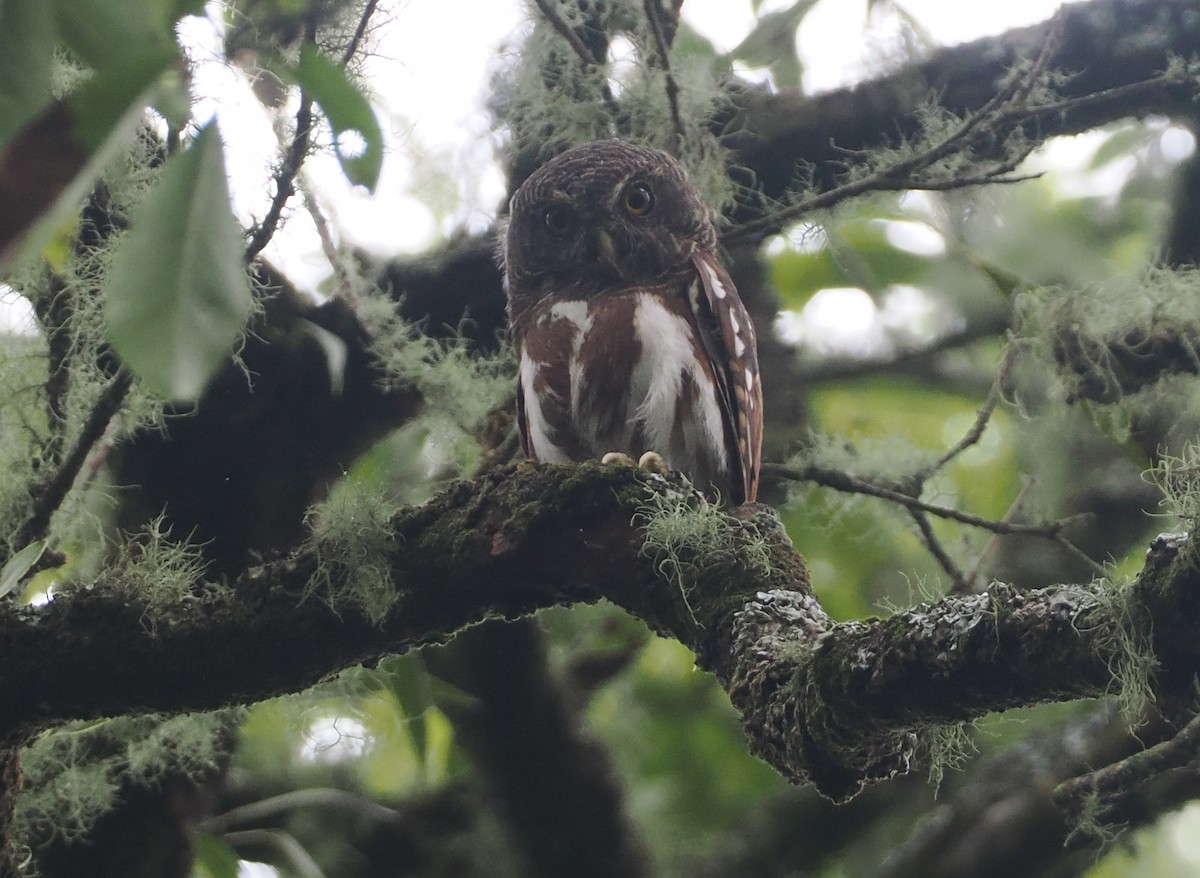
(662, 47)
(838, 705)
(848, 483)
(49, 494)
(1105, 46)
(297, 152)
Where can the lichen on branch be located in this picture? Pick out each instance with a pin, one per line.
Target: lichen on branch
(835, 704)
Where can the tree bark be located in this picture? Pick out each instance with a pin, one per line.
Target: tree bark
(837, 705)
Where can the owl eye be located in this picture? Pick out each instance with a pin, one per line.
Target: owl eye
(558, 220)
(638, 200)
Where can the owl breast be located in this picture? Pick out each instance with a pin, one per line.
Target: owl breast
(625, 371)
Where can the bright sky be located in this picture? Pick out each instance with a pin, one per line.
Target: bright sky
(433, 108)
(432, 111)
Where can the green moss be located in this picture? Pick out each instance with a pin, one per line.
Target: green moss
(154, 569)
(553, 99)
(949, 747)
(1126, 642)
(460, 387)
(1111, 342)
(352, 537)
(72, 776)
(1178, 477)
(683, 534)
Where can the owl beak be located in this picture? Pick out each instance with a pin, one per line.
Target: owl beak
(607, 250)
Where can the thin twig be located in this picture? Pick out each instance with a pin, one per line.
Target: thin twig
(359, 32)
(993, 543)
(49, 495)
(672, 86)
(1074, 551)
(1120, 778)
(982, 418)
(890, 179)
(849, 484)
(567, 32)
(579, 47)
(885, 180)
(283, 843)
(285, 179)
(54, 314)
(272, 806)
(933, 544)
(1006, 107)
(285, 176)
(345, 285)
(1114, 94)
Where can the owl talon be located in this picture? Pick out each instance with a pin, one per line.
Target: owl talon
(653, 462)
(617, 457)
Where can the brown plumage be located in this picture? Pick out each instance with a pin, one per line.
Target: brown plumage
(629, 334)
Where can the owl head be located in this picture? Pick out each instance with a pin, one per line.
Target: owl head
(603, 216)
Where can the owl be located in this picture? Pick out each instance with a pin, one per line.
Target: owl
(629, 335)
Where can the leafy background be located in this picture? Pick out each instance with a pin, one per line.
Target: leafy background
(862, 292)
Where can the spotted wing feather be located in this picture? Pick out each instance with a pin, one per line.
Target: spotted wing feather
(734, 353)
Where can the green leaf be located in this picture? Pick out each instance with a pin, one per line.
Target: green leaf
(214, 859)
(18, 565)
(177, 294)
(690, 43)
(104, 33)
(50, 164)
(347, 110)
(1119, 143)
(27, 40)
(772, 43)
(797, 276)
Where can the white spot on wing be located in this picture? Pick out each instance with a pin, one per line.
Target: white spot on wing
(739, 346)
(714, 282)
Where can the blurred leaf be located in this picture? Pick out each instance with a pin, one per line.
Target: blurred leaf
(690, 43)
(27, 41)
(177, 294)
(797, 276)
(673, 731)
(50, 165)
(111, 33)
(421, 697)
(1119, 143)
(412, 687)
(214, 859)
(122, 88)
(772, 44)
(18, 565)
(874, 262)
(859, 254)
(348, 112)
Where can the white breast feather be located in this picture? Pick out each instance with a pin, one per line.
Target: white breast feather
(576, 311)
(537, 431)
(667, 354)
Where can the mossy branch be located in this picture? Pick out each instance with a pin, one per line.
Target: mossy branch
(838, 705)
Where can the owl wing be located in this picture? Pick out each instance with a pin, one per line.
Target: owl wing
(733, 352)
